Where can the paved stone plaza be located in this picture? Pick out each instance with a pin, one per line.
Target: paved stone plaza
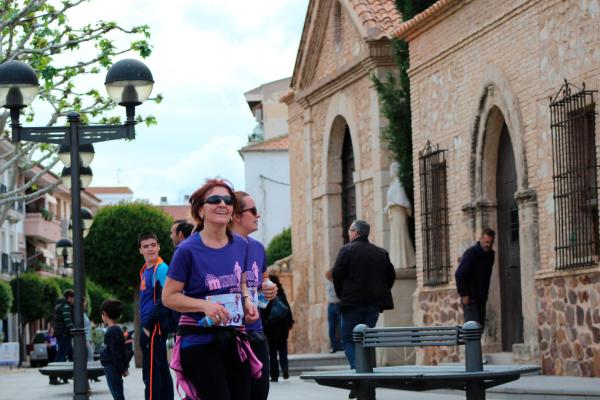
(29, 384)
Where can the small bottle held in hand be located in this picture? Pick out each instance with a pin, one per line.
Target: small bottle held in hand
(262, 300)
(206, 322)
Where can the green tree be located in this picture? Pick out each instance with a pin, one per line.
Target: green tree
(112, 257)
(97, 296)
(280, 246)
(38, 297)
(39, 33)
(6, 299)
(394, 94)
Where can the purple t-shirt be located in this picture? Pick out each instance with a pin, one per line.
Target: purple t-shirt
(257, 264)
(207, 271)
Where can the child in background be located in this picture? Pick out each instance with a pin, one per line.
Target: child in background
(113, 353)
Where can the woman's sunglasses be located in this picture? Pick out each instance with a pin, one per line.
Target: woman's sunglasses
(252, 210)
(216, 199)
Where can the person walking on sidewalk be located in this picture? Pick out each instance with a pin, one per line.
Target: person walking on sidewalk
(334, 316)
(153, 338)
(363, 276)
(277, 321)
(243, 222)
(113, 352)
(473, 277)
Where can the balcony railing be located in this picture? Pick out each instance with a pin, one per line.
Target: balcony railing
(39, 227)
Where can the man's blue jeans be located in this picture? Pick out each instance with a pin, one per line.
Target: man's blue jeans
(352, 316)
(333, 318)
(64, 347)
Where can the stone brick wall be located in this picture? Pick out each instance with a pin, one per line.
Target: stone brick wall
(438, 307)
(333, 56)
(503, 66)
(569, 324)
(337, 92)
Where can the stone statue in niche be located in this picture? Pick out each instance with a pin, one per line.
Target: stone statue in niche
(399, 208)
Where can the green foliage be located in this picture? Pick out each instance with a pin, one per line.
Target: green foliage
(97, 296)
(38, 296)
(280, 246)
(63, 283)
(6, 299)
(64, 56)
(39, 33)
(112, 255)
(394, 94)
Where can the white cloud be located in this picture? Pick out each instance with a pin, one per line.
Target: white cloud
(207, 54)
(174, 178)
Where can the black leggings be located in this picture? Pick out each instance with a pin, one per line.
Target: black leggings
(260, 387)
(216, 372)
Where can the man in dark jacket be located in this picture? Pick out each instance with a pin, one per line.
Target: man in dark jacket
(473, 277)
(362, 277)
(62, 322)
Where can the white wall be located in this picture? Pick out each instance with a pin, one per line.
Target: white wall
(272, 199)
(112, 199)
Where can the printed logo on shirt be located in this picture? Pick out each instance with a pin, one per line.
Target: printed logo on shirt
(252, 276)
(225, 281)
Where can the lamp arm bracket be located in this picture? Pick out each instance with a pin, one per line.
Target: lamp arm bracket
(50, 134)
(88, 134)
(103, 133)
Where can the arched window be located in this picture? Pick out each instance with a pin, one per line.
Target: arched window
(348, 189)
(337, 25)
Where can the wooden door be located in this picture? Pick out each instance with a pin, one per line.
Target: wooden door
(509, 261)
(348, 189)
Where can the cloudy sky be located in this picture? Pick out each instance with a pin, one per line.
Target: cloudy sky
(207, 53)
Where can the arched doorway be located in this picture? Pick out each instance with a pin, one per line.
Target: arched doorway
(348, 188)
(509, 260)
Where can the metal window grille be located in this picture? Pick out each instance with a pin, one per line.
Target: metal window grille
(575, 177)
(434, 215)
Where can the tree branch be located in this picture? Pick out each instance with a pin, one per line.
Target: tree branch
(9, 196)
(32, 196)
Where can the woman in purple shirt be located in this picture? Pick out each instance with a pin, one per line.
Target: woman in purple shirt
(204, 283)
(244, 222)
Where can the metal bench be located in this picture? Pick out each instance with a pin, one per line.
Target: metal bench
(473, 378)
(64, 370)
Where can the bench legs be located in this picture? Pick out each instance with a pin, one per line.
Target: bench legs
(475, 390)
(366, 390)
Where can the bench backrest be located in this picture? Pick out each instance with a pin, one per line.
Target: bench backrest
(366, 339)
(410, 337)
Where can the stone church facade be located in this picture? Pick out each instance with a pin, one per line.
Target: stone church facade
(490, 150)
(338, 163)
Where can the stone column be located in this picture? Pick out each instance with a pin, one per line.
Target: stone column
(530, 263)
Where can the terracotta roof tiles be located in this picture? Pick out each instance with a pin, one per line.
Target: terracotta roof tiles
(178, 212)
(276, 143)
(109, 190)
(380, 17)
(418, 20)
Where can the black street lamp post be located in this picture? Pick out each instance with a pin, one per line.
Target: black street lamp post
(17, 258)
(64, 248)
(129, 83)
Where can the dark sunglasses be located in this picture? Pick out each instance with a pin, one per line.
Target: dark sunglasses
(252, 210)
(216, 199)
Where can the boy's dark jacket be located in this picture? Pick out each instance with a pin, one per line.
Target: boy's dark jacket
(114, 351)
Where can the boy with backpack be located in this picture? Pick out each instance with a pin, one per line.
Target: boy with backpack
(155, 320)
(113, 353)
